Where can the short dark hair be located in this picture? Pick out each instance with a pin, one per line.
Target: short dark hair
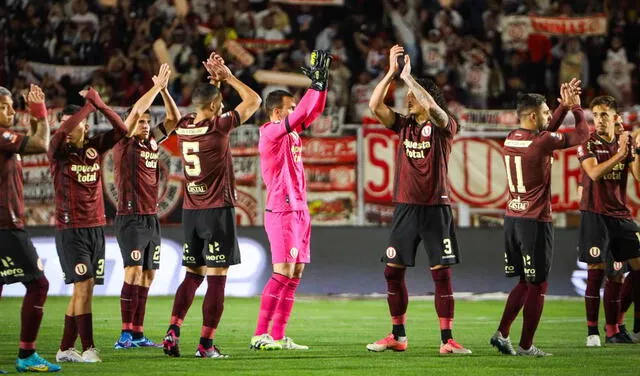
(274, 100)
(204, 94)
(529, 101)
(69, 109)
(605, 100)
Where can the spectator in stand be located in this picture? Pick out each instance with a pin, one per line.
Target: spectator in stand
(617, 77)
(82, 16)
(434, 53)
(372, 52)
(360, 94)
(475, 79)
(573, 61)
(244, 19)
(268, 30)
(339, 76)
(324, 38)
(405, 32)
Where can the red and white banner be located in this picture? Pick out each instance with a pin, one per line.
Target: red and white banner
(330, 150)
(324, 178)
(516, 29)
(380, 146)
(311, 2)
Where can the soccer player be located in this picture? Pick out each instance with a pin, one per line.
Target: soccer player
(608, 235)
(211, 245)
(421, 194)
(287, 220)
(528, 152)
(19, 261)
(75, 165)
(137, 227)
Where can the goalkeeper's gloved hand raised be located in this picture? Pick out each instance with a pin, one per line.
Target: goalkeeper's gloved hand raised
(318, 70)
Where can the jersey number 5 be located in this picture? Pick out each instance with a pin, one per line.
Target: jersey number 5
(192, 161)
(517, 161)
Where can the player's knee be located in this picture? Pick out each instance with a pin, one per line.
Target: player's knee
(441, 273)
(39, 286)
(133, 275)
(394, 274)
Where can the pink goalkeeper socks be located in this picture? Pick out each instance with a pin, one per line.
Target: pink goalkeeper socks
(270, 298)
(283, 310)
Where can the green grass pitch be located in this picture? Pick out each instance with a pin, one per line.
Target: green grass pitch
(337, 331)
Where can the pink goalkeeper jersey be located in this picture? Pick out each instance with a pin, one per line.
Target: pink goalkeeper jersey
(282, 170)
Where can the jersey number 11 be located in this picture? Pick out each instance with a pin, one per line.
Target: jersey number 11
(517, 161)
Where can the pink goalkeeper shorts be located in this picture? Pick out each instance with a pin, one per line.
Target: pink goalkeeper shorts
(289, 234)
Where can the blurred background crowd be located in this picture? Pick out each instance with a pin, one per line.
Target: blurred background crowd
(460, 47)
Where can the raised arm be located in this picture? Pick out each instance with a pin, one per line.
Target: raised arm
(172, 113)
(250, 99)
(565, 101)
(438, 115)
(38, 141)
(116, 122)
(383, 112)
(143, 104)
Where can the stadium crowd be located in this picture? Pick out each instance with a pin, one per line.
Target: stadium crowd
(459, 47)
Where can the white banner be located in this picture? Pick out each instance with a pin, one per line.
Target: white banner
(78, 73)
(242, 280)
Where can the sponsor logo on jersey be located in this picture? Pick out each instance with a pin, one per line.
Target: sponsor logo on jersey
(518, 205)
(415, 149)
(91, 153)
(86, 173)
(196, 189)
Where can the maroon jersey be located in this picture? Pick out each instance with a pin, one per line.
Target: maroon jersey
(206, 157)
(77, 179)
(608, 195)
(422, 161)
(136, 175)
(11, 192)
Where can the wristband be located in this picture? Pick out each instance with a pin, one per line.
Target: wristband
(38, 110)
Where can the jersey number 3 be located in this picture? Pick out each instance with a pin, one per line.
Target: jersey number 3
(519, 186)
(191, 159)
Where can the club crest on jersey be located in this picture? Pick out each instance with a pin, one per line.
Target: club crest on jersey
(154, 144)
(91, 153)
(8, 136)
(556, 135)
(617, 265)
(293, 252)
(426, 130)
(594, 252)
